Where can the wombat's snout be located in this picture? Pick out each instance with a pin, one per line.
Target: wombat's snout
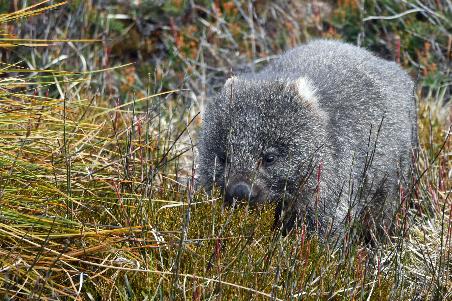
(241, 191)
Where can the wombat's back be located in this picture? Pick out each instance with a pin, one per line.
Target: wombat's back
(342, 74)
(369, 105)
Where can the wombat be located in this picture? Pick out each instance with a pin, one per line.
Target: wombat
(327, 131)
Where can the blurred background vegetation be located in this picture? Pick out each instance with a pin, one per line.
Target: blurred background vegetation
(196, 44)
(99, 104)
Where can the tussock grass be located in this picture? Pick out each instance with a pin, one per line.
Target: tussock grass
(97, 200)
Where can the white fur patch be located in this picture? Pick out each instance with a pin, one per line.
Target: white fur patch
(307, 92)
(230, 80)
(306, 89)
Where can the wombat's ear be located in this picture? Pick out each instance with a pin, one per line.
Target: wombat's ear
(307, 95)
(230, 87)
(305, 91)
(230, 82)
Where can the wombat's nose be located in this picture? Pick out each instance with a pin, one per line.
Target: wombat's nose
(240, 191)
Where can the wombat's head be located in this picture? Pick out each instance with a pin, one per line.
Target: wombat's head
(260, 139)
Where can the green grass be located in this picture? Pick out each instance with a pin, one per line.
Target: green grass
(97, 157)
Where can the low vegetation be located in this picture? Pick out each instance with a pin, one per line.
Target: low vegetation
(99, 115)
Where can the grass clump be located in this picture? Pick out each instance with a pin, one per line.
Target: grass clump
(97, 196)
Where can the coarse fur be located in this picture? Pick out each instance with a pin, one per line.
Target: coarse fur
(327, 131)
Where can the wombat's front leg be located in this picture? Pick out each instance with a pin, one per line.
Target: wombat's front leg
(284, 219)
(290, 215)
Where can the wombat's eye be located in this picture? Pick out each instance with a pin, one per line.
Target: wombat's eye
(269, 159)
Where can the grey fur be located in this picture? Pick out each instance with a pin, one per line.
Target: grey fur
(341, 153)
